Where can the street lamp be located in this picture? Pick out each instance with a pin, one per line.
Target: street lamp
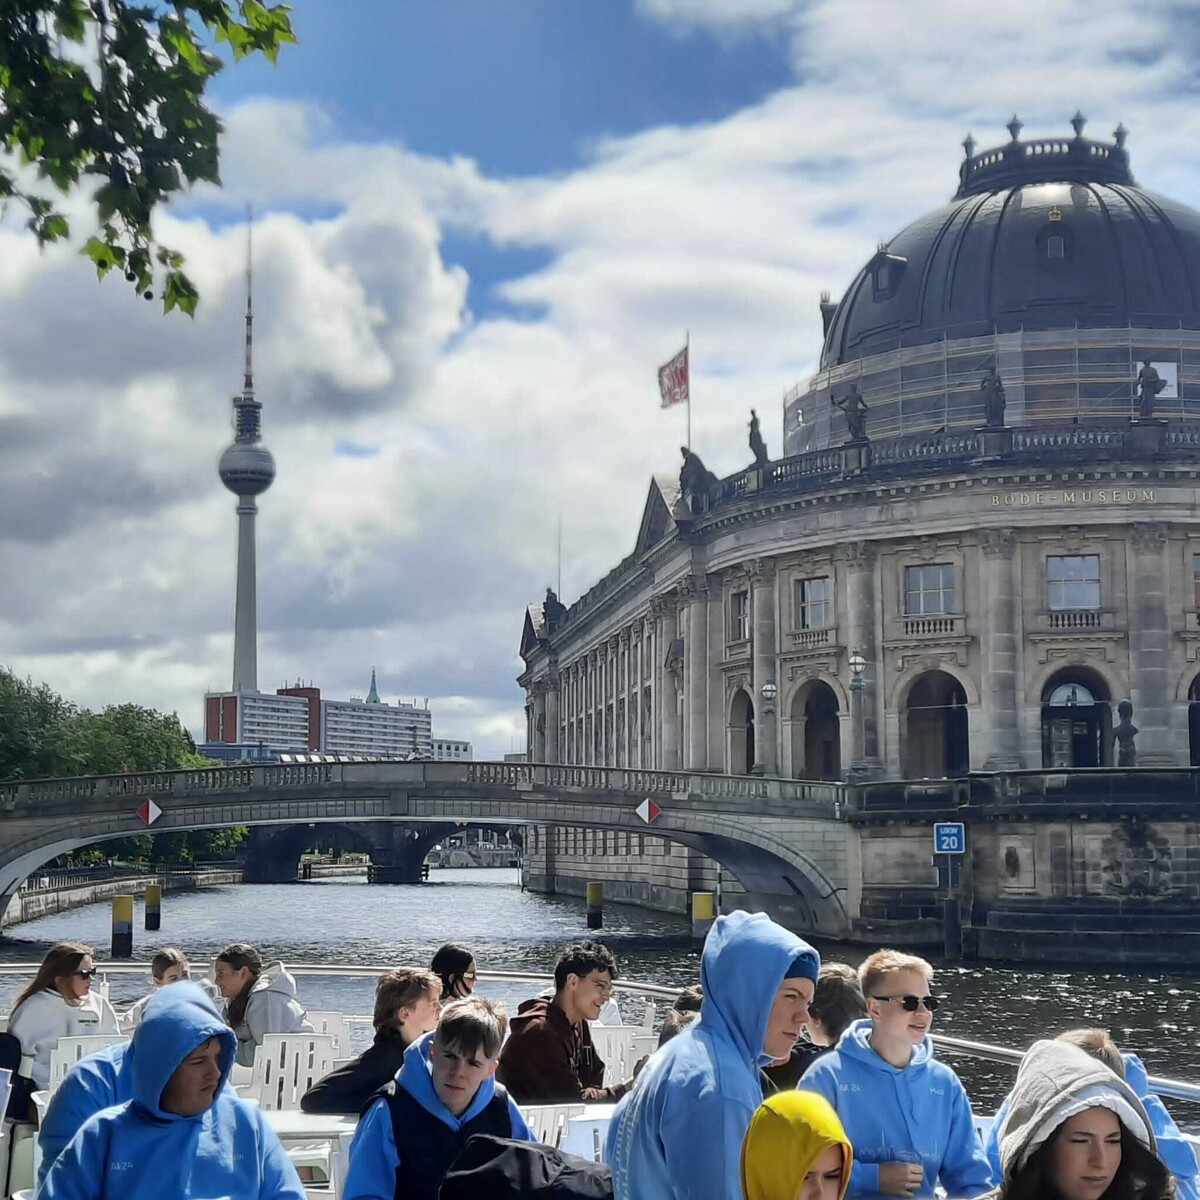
(769, 691)
(857, 664)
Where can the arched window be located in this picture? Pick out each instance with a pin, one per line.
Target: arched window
(1056, 246)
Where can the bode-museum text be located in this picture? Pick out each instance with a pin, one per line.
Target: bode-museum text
(1087, 495)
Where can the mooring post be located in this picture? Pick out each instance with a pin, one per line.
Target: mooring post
(704, 912)
(595, 905)
(154, 894)
(122, 927)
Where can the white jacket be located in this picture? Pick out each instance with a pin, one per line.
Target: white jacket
(272, 1008)
(132, 1015)
(45, 1017)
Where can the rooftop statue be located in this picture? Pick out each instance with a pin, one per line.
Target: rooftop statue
(553, 610)
(757, 445)
(695, 479)
(993, 399)
(1149, 384)
(855, 409)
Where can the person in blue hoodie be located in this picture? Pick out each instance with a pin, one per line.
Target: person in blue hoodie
(96, 1082)
(183, 1134)
(906, 1114)
(1172, 1147)
(414, 1128)
(678, 1134)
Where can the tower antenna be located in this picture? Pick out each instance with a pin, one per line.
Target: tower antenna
(248, 382)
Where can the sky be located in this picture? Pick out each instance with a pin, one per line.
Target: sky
(479, 228)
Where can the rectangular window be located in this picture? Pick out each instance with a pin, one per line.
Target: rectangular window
(929, 590)
(1196, 579)
(739, 617)
(814, 605)
(1073, 581)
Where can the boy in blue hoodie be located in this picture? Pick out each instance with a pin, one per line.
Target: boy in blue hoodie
(415, 1127)
(678, 1134)
(906, 1114)
(183, 1134)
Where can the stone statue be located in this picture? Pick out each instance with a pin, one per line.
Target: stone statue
(993, 399)
(855, 409)
(553, 611)
(695, 479)
(757, 446)
(1124, 734)
(1149, 384)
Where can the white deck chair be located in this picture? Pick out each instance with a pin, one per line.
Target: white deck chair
(586, 1133)
(615, 1046)
(340, 1163)
(286, 1065)
(548, 1122)
(67, 1051)
(334, 1024)
(649, 1016)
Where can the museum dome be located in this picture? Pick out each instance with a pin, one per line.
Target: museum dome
(1045, 234)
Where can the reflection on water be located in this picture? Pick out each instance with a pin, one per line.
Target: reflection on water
(345, 921)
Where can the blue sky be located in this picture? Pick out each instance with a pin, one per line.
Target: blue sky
(480, 226)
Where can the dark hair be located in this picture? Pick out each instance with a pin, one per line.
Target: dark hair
(451, 962)
(400, 989)
(675, 1023)
(62, 959)
(239, 955)
(581, 958)
(474, 1024)
(165, 959)
(690, 999)
(837, 999)
(1141, 1175)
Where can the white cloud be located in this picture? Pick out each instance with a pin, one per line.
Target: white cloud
(418, 557)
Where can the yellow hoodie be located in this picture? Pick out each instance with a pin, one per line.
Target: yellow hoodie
(787, 1134)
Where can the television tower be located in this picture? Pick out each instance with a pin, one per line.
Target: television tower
(247, 469)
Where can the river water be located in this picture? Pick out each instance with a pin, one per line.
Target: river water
(345, 921)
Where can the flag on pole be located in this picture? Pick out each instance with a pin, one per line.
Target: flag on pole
(673, 380)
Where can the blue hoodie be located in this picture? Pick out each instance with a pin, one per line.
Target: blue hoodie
(918, 1113)
(678, 1134)
(98, 1081)
(1172, 1147)
(138, 1151)
(373, 1154)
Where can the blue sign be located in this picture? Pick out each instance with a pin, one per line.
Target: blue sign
(949, 837)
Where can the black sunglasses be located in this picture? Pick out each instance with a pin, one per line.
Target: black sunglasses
(88, 974)
(912, 1003)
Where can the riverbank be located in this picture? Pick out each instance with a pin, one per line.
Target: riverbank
(42, 902)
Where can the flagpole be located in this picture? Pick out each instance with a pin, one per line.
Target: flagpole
(687, 345)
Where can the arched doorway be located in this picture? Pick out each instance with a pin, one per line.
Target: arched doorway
(937, 743)
(816, 733)
(1194, 722)
(1076, 721)
(741, 733)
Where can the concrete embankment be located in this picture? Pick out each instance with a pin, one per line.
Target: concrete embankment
(41, 902)
(331, 870)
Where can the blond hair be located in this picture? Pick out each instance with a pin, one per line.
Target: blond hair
(878, 966)
(1099, 1045)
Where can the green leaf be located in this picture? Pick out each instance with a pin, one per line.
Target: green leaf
(180, 293)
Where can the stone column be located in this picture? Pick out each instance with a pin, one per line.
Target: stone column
(553, 694)
(1150, 650)
(636, 633)
(667, 685)
(589, 708)
(537, 747)
(693, 590)
(1000, 641)
(863, 604)
(761, 572)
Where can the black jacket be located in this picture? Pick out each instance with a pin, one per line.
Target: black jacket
(348, 1088)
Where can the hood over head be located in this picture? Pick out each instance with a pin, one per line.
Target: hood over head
(746, 958)
(275, 977)
(1054, 1082)
(788, 1133)
(177, 1020)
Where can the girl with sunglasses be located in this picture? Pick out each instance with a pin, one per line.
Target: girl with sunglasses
(906, 1114)
(58, 1003)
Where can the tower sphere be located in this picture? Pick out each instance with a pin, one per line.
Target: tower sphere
(247, 469)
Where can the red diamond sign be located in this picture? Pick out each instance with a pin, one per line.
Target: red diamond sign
(149, 811)
(648, 811)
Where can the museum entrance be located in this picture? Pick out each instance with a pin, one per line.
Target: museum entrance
(816, 733)
(937, 742)
(1076, 721)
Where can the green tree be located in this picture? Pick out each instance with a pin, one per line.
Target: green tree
(114, 91)
(33, 719)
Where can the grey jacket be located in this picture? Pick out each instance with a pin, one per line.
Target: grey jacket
(272, 1008)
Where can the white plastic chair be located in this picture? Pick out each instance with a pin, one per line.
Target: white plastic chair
(316, 1156)
(649, 1016)
(548, 1122)
(586, 1133)
(334, 1024)
(286, 1065)
(67, 1051)
(615, 1046)
(340, 1164)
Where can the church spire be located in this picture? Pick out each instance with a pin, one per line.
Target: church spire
(373, 694)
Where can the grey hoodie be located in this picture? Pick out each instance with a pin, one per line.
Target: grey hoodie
(271, 1008)
(1054, 1082)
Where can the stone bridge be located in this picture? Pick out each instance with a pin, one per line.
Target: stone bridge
(787, 841)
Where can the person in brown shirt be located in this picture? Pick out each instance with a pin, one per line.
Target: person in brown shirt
(549, 1057)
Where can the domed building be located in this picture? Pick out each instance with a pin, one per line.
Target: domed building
(980, 548)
